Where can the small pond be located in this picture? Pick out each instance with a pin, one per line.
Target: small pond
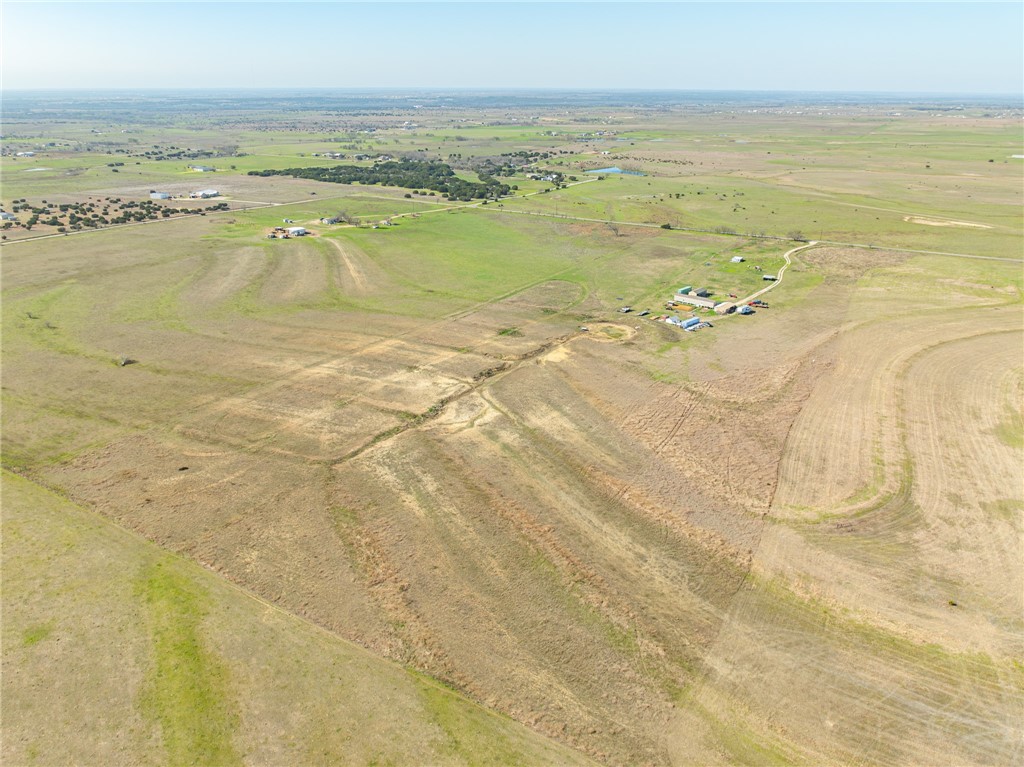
(617, 170)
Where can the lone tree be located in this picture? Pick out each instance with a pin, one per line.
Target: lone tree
(797, 236)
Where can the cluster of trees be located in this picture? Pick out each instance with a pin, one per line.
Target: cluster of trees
(76, 216)
(509, 164)
(407, 174)
(182, 153)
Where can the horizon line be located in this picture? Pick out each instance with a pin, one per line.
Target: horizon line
(501, 89)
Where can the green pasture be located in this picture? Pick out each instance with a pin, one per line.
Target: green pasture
(756, 206)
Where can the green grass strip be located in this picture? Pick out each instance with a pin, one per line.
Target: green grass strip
(187, 691)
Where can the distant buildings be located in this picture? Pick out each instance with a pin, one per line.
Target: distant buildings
(5, 216)
(202, 168)
(159, 196)
(296, 231)
(204, 194)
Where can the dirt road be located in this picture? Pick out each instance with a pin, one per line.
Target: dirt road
(782, 271)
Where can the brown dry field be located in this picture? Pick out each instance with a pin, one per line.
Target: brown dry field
(86, 607)
(738, 546)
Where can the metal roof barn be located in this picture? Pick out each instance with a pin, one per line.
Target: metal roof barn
(706, 303)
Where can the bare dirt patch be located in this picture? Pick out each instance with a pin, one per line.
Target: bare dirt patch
(944, 222)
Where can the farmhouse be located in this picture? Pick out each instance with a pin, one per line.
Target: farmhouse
(685, 324)
(296, 231)
(204, 194)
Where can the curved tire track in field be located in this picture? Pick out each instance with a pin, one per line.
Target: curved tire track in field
(842, 629)
(354, 270)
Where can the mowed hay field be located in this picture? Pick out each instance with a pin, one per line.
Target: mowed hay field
(791, 538)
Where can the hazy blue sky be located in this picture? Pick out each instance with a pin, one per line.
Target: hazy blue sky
(866, 46)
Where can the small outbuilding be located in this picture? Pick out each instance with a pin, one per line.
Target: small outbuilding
(296, 231)
(5, 216)
(159, 196)
(205, 194)
(769, 277)
(737, 259)
(202, 168)
(726, 307)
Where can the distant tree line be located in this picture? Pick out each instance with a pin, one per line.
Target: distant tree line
(407, 174)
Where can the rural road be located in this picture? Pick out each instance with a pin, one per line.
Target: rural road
(496, 209)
